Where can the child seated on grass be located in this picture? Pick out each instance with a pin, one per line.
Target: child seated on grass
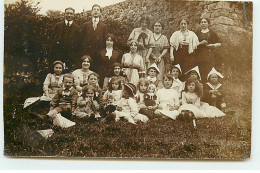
(128, 108)
(168, 99)
(213, 90)
(87, 107)
(64, 102)
(150, 102)
(142, 88)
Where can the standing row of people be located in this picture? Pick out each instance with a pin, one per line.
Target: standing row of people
(184, 46)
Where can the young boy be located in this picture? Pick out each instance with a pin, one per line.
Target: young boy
(65, 98)
(152, 73)
(213, 91)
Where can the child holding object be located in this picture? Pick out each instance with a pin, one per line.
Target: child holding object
(213, 90)
(150, 101)
(142, 88)
(168, 99)
(64, 102)
(86, 106)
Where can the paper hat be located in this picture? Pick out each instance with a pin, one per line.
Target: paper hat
(178, 67)
(131, 87)
(195, 69)
(214, 71)
(154, 66)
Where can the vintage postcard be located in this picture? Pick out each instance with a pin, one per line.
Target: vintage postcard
(160, 79)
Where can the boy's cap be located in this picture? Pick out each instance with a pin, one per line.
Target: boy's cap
(214, 71)
(196, 69)
(132, 87)
(154, 66)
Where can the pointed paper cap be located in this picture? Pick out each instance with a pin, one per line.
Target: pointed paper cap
(195, 69)
(178, 67)
(154, 66)
(214, 71)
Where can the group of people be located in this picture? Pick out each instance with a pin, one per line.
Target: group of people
(135, 86)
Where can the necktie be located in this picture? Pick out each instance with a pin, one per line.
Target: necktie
(95, 24)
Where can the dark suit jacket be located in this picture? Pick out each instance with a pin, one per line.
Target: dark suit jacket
(105, 64)
(58, 49)
(93, 40)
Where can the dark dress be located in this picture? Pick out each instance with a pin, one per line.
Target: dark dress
(206, 57)
(105, 64)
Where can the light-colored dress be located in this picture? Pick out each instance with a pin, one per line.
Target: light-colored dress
(51, 83)
(178, 86)
(112, 98)
(81, 78)
(132, 65)
(140, 99)
(168, 98)
(184, 45)
(158, 45)
(130, 111)
(143, 43)
(191, 102)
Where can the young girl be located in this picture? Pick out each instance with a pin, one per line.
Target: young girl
(64, 102)
(213, 90)
(191, 104)
(116, 72)
(150, 101)
(152, 73)
(93, 79)
(168, 99)
(177, 84)
(194, 73)
(129, 108)
(114, 93)
(53, 82)
(86, 106)
(142, 88)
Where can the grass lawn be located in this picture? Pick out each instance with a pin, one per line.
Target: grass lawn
(227, 137)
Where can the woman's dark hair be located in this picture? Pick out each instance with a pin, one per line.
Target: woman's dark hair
(207, 19)
(85, 57)
(187, 21)
(114, 79)
(197, 87)
(86, 88)
(112, 36)
(162, 24)
(145, 18)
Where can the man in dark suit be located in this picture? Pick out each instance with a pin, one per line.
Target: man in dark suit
(64, 45)
(94, 33)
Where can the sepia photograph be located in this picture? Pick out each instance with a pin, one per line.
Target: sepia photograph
(150, 79)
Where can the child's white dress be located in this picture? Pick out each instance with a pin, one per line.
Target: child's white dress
(168, 98)
(130, 111)
(178, 86)
(140, 99)
(113, 97)
(191, 102)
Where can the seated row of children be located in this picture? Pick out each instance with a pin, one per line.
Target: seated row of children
(150, 99)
